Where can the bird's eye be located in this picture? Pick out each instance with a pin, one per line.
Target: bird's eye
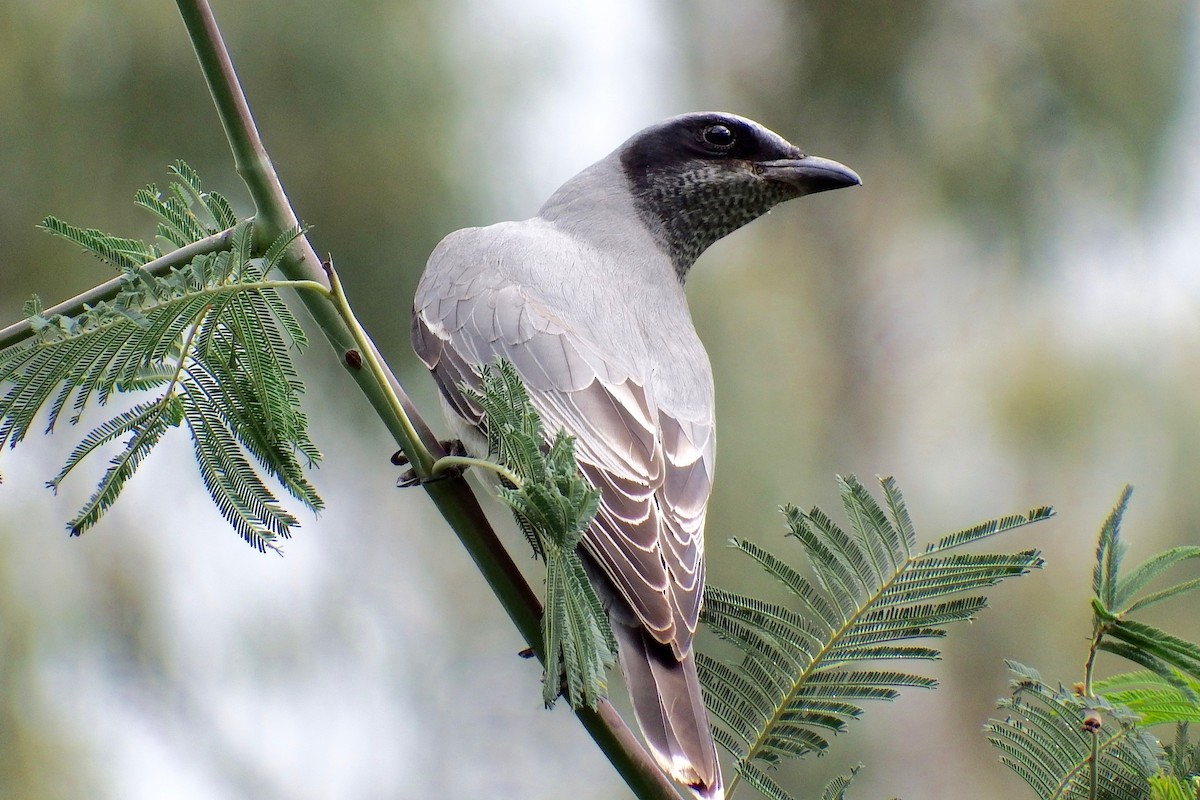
(718, 136)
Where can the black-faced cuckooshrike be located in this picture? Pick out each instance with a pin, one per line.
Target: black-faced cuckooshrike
(586, 300)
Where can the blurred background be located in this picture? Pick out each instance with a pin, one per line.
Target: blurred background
(1004, 315)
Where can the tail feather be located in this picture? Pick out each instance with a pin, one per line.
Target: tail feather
(670, 710)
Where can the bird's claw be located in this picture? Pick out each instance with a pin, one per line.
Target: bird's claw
(409, 478)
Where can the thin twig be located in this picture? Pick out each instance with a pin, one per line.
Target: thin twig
(451, 462)
(20, 331)
(420, 458)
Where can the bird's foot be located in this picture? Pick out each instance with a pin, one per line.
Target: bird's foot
(409, 478)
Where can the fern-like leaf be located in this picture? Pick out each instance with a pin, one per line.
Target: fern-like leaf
(148, 427)
(1169, 787)
(1145, 572)
(805, 670)
(127, 255)
(1155, 699)
(1151, 647)
(1109, 552)
(1047, 739)
(836, 788)
(1183, 759)
(554, 504)
(209, 344)
(1113, 600)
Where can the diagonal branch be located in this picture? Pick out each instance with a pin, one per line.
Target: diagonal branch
(275, 215)
(20, 331)
(452, 496)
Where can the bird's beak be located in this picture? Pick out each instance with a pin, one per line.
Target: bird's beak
(808, 174)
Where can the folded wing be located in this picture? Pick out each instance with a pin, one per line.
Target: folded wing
(652, 467)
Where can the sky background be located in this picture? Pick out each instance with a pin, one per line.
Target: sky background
(1004, 315)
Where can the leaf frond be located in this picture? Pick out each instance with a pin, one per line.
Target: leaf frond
(1152, 647)
(208, 344)
(836, 788)
(554, 505)
(1043, 739)
(127, 255)
(808, 664)
(152, 424)
(1109, 552)
(991, 528)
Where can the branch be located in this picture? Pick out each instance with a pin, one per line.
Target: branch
(20, 331)
(274, 214)
(452, 496)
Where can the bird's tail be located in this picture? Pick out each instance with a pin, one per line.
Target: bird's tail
(670, 710)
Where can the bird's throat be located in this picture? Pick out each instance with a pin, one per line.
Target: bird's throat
(689, 210)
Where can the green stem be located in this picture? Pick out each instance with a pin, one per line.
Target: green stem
(185, 353)
(254, 286)
(249, 155)
(1089, 666)
(1099, 628)
(299, 286)
(1094, 768)
(418, 455)
(449, 462)
(452, 497)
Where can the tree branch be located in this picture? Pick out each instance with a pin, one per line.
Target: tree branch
(20, 331)
(274, 214)
(452, 496)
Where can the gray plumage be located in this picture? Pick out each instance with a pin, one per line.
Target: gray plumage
(586, 300)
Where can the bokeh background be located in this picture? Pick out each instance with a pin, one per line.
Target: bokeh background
(1004, 315)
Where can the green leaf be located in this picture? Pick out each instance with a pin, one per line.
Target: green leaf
(135, 419)
(807, 665)
(239, 494)
(1168, 787)
(761, 781)
(152, 424)
(797, 584)
(1155, 646)
(990, 528)
(127, 255)
(1183, 758)
(210, 348)
(836, 788)
(1044, 741)
(554, 505)
(279, 247)
(1145, 572)
(1113, 599)
(1164, 594)
(1109, 553)
(1155, 699)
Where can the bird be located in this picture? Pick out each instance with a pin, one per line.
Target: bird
(586, 301)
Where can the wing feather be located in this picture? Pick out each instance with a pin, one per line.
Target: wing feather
(652, 467)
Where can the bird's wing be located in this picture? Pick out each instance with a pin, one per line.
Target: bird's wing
(653, 468)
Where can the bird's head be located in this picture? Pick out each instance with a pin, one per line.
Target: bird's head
(698, 177)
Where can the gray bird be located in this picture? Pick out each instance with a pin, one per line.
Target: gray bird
(586, 300)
